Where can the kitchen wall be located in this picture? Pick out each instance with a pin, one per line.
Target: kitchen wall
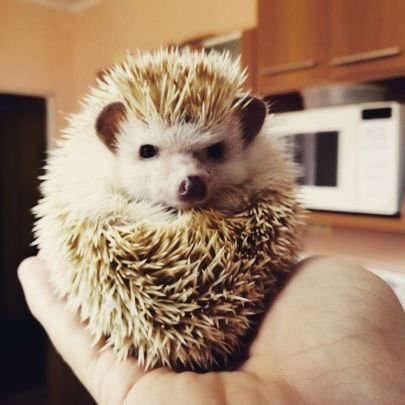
(104, 32)
(57, 54)
(36, 54)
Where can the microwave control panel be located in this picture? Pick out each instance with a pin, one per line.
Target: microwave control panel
(378, 153)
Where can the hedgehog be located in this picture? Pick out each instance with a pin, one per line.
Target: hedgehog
(168, 213)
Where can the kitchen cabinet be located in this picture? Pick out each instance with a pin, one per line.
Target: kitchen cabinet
(249, 57)
(238, 43)
(291, 44)
(313, 42)
(367, 39)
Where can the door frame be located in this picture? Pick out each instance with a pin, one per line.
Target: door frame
(50, 99)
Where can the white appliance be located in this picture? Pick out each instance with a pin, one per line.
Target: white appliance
(351, 157)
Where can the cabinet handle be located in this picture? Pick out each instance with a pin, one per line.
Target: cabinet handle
(289, 67)
(365, 56)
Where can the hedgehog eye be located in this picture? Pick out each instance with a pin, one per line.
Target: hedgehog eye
(148, 151)
(216, 151)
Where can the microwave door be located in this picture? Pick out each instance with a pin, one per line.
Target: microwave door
(316, 155)
(326, 176)
(308, 162)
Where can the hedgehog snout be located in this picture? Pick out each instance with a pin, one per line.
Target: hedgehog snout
(193, 189)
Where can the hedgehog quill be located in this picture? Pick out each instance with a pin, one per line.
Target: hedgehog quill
(168, 212)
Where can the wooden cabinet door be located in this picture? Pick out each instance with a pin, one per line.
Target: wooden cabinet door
(249, 58)
(292, 43)
(367, 39)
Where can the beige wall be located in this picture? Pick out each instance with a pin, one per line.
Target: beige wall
(44, 51)
(104, 32)
(36, 54)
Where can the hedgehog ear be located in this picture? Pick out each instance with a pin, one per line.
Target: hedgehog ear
(252, 115)
(107, 123)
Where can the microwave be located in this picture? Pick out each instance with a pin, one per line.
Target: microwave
(351, 158)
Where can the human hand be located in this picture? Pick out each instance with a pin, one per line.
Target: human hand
(335, 335)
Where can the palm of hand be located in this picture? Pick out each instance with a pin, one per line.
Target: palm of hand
(336, 335)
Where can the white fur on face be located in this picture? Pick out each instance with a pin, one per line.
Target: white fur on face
(181, 153)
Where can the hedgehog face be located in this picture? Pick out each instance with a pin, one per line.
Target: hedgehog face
(182, 165)
(179, 166)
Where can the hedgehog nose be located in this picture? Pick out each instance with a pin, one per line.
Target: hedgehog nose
(193, 188)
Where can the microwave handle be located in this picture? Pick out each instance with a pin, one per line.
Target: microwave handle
(365, 56)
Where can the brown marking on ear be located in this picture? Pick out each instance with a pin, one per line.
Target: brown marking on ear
(252, 116)
(108, 122)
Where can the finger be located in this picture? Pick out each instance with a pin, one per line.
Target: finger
(63, 328)
(107, 380)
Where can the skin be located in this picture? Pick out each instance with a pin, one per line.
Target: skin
(335, 335)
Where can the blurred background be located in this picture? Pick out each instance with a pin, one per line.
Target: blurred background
(301, 56)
